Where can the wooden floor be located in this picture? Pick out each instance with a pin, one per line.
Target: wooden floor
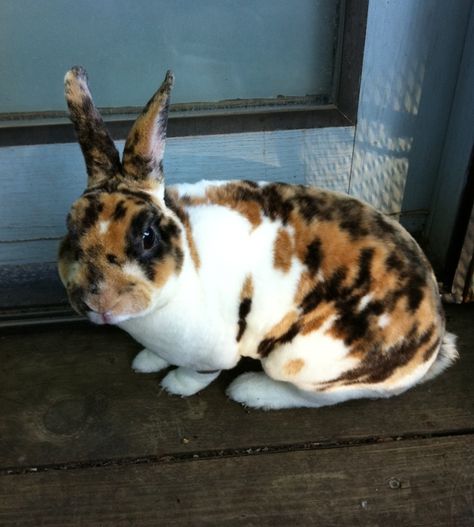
(85, 441)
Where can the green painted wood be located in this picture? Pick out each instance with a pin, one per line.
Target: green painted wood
(68, 395)
(427, 483)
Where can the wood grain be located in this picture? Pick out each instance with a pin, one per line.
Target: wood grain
(68, 395)
(425, 483)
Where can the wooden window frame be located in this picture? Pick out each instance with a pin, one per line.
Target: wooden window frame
(188, 120)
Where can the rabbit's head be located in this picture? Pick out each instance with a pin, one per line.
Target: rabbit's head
(123, 247)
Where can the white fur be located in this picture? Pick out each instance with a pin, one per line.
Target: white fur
(198, 190)
(384, 320)
(446, 356)
(364, 301)
(257, 390)
(185, 381)
(148, 362)
(104, 226)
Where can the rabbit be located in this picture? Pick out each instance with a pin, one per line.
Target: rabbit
(336, 300)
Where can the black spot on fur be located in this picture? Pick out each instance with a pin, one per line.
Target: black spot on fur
(314, 256)
(414, 292)
(352, 218)
(313, 207)
(94, 276)
(266, 346)
(91, 213)
(112, 259)
(378, 365)
(363, 278)
(393, 261)
(290, 334)
(274, 205)
(329, 290)
(143, 196)
(244, 310)
(120, 210)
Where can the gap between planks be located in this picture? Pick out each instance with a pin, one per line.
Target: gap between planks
(180, 457)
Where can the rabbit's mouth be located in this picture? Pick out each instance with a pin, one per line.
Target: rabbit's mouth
(106, 318)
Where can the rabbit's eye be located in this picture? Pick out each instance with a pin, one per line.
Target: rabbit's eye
(148, 239)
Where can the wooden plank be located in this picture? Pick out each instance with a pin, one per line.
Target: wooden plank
(68, 394)
(23, 286)
(48, 178)
(29, 252)
(425, 483)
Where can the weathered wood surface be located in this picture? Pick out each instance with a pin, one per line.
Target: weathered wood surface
(68, 395)
(425, 483)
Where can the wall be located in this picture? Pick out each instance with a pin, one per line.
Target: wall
(411, 64)
(455, 155)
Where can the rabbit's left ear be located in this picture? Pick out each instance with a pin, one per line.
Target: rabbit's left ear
(145, 145)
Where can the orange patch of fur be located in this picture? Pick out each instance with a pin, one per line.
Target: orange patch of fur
(227, 197)
(316, 318)
(293, 367)
(283, 325)
(247, 289)
(305, 285)
(282, 251)
(192, 245)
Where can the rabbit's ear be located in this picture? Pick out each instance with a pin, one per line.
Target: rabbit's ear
(101, 157)
(145, 145)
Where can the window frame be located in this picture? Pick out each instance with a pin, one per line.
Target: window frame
(293, 113)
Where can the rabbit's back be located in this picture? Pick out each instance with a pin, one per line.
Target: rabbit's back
(324, 290)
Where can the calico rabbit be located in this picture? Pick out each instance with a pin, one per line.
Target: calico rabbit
(336, 300)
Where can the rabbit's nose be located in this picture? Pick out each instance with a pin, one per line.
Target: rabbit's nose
(102, 302)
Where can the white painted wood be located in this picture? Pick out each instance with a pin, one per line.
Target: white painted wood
(40, 182)
(412, 55)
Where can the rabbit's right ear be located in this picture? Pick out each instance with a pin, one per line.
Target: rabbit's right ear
(101, 157)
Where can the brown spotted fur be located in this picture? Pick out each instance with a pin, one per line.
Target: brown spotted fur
(350, 250)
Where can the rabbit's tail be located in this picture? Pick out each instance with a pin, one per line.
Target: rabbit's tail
(447, 354)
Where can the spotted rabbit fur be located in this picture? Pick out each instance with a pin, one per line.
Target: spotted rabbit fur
(336, 300)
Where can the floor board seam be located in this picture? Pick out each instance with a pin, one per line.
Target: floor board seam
(180, 457)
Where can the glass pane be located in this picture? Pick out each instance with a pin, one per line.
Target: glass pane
(218, 49)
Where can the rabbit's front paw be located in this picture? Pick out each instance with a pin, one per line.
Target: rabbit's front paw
(184, 382)
(148, 362)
